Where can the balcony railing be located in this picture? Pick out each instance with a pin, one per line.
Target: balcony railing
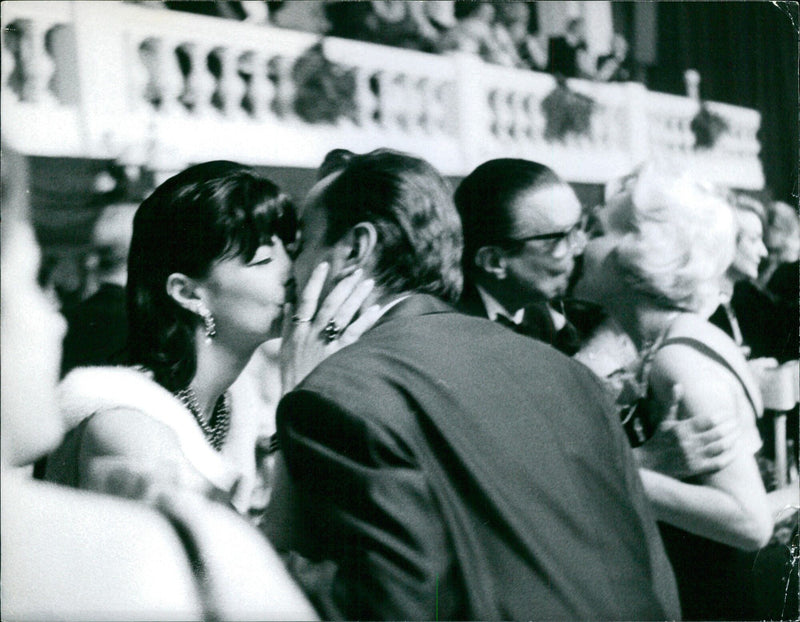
(112, 80)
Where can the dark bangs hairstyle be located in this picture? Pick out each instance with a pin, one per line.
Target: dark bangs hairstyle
(207, 213)
(411, 206)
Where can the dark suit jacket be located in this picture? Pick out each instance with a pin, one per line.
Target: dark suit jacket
(563, 57)
(456, 470)
(768, 323)
(97, 330)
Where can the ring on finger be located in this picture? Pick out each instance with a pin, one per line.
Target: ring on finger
(332, 331)
(296, 319)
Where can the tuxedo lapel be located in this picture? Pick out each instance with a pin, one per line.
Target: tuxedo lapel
(537, 322)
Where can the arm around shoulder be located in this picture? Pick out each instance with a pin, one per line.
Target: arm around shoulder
(729, 505)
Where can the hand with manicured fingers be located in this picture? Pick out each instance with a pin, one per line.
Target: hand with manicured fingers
(688, 447)
(314, 330)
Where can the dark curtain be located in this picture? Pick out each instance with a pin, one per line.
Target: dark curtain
(746, 53)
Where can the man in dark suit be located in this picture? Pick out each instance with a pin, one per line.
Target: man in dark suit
(97, 330)
(567, 53)
(447, 467)
(522, 233)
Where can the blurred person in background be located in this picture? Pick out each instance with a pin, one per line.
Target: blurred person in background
(782, 238)
(208, 273)
(743, 271)
(304, 16)
(616, 65)
(412, 25)
(655, 266)
(97, 327)
(254, 11)
(476, 32)
(568, 53)
(764, 326)
(780, 276)
(69, 554)
(515, 18)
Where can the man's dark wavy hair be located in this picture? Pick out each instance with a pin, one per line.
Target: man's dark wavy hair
(410, 205)
(208, 212)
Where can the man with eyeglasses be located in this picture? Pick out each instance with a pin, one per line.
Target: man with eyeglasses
(523, 229)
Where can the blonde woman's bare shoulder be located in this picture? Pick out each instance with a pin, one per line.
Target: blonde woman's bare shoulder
(696, 327)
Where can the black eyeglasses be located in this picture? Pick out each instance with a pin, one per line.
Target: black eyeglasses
(574, 236)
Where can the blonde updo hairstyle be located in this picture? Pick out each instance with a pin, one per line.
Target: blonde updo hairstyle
(678, 239)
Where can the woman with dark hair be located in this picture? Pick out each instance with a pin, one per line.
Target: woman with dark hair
(208, 272)
(75, 555)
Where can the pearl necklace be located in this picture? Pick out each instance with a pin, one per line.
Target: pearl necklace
(216, 428)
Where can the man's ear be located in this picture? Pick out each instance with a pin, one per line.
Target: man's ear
(358, 247)
(185, 291)
(492, 260)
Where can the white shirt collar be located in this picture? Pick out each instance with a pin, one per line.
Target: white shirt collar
(389, 305)
(559, 321)
(494, 308)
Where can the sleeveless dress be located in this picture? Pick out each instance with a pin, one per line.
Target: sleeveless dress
(711, 578)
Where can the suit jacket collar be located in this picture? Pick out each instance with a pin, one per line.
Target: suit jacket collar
(415, 305)
(537, 320)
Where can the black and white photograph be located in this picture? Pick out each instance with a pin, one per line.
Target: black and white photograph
(399, 310)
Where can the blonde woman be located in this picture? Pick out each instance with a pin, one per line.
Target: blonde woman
(655, 262)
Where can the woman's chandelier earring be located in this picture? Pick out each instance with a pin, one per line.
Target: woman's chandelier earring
(209, 326)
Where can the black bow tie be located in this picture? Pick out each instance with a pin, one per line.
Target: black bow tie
(566, 340)
(509, 323)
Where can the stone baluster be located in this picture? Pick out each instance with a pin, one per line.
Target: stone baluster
(492, 101)
(517, 121)
(504, 113)
(422, 121)
(164, 82)
(530, 113)
(446, 117)
(382, 89)
(149, 53)
(172, 82)
(280, 73)
(399, 102)
(230, 85)
(61, 48)
(259, 91)
(198, 85)
(33, 67)
(366, 100)
(433, 108)
(601, 121)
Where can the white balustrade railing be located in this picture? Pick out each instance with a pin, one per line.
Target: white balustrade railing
(114, 80)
